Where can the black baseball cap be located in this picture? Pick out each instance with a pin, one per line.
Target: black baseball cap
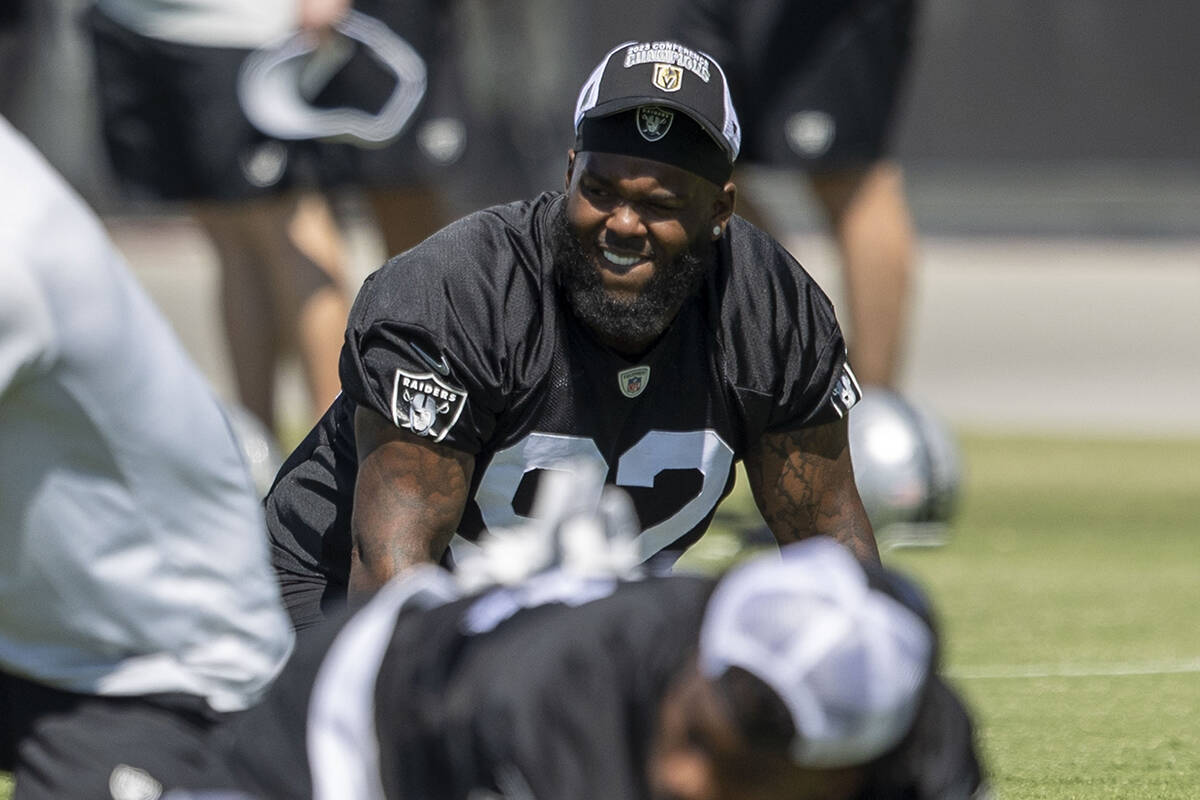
(655, 79)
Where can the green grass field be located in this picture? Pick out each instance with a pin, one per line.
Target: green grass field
(1069, 597)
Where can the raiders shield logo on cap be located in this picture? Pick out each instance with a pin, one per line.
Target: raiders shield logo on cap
(653, 122)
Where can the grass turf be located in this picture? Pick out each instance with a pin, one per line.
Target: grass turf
(1068, 597)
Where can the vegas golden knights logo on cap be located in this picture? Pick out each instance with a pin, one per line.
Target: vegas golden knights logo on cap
(668, 77)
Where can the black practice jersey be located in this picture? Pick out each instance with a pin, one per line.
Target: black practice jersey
(548, 689)
(465, 340)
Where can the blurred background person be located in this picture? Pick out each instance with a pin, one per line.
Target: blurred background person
(817, 84)
(376, 96)
(408, 179)
(137, 610)
(166, 76)
(274, 202)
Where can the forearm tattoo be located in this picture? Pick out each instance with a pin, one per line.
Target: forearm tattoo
(804, 485)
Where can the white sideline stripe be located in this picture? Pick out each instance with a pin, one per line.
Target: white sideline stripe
(1075, 670)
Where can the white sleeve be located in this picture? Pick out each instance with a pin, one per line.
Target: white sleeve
(26, 325)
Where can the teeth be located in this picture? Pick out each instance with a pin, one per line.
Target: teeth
(622, 261)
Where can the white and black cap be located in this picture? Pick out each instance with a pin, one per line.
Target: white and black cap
(848, 660)
(277, 83)
(652, 81)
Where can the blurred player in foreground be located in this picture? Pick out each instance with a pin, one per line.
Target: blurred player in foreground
(804, 677)
(817, 84)
(633, 320)
(137, 606)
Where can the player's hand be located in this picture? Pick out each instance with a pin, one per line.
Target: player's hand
(319, 15)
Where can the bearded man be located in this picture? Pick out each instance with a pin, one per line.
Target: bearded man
(633, 321)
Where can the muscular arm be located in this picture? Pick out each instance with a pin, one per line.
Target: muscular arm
(803, 483)
(408, 499)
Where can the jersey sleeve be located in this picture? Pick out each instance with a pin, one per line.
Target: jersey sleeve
(786, 354)
(426, 343)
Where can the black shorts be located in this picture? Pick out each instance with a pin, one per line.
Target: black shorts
(175, 130)
(60, 744)
(173, 126)
(815, 83)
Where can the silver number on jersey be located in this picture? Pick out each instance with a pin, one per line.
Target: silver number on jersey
(657, 451)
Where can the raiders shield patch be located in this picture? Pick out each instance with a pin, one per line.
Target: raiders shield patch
(633, 381)
(425, 404)
(846, 393)
(653, 122)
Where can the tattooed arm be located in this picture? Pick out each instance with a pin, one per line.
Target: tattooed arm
(803, 483)
(408, 499)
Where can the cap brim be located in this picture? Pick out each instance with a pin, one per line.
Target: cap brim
(607, 109)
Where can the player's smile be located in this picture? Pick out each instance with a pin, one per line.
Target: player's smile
(624, 268)
(621, 261)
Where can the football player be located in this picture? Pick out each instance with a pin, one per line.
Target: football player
(633, 321)
(137, 605)
(804, 677)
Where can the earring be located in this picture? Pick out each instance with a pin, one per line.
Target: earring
(716, 231)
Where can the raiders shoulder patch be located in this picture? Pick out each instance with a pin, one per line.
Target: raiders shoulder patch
(425, 404)
(846, 392)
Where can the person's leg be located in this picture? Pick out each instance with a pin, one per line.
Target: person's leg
(322, 301)
(248, 308)
(870, 220)
(406, 215)
(282, 288)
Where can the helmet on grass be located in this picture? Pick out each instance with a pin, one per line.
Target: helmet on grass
(908, 469)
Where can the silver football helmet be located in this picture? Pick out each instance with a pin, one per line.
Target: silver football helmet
(908, 468)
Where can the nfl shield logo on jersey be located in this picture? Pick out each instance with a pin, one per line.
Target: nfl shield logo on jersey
(425, 404)
(633, 380)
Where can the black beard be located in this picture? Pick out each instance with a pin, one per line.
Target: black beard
(629, 326)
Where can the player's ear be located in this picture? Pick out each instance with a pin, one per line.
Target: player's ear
(724, 202)
(570, 168)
